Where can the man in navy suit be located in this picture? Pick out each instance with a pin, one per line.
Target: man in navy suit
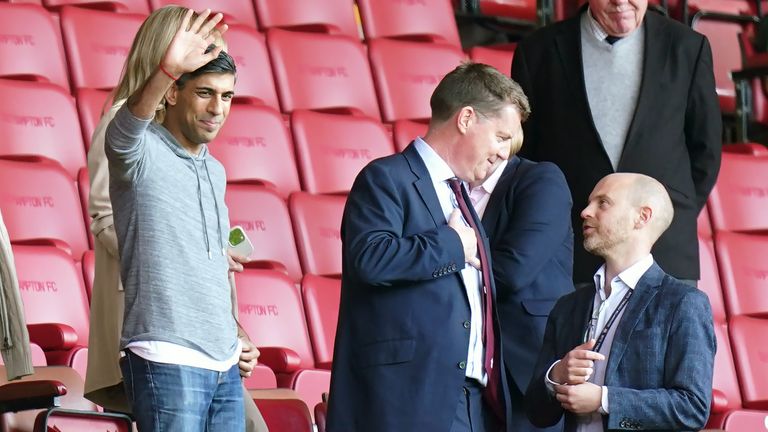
(525, 207)
(415, 330)
(635, 350)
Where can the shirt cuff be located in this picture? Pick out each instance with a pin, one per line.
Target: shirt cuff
(548, 382)
(604, 402)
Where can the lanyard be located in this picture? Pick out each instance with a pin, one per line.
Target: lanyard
(609, 323)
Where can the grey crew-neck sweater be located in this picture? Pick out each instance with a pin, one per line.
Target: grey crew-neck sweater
(172, 225)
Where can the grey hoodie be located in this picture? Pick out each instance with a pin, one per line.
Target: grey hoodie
(172, 225)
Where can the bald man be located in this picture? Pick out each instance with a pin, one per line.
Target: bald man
(634, 350)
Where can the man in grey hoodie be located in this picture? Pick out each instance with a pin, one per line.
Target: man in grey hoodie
(179, 336)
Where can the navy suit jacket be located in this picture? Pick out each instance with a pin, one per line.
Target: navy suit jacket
(401, 341)
(528, 223)
(659, 372)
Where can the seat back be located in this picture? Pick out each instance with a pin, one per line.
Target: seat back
(326, 16)
(406, 74)
(43, 126)
(330, 151)
(285, 414)
(254, 73)
(40, 205)
(123, 6)
(264, 216)
(91, 104)
(746, 420)
(501, 59)
(709, 280)
(269, 309)
(97, 44)
(519, 10)
(422, 20)
(322, 72)
(724, 379)
(234, 11)
(317, 228)
(321, 305)
(405, 131)
(739, 200)
(30, 45)
(255, 147)
(749, 337)
(743, 272)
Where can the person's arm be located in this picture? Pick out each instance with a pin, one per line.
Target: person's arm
(378, 251)
(539, 220)
(683, 403)
(703, 126)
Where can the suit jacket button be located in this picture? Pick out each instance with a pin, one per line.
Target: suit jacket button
(465, 324)
(462, 365)
(434, 274)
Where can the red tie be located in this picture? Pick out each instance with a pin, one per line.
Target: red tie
(491, 392)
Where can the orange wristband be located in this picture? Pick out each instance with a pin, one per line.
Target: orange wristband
(167, 73)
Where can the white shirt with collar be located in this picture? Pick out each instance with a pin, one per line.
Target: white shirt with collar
(480, 195)
(440, 173)
(603, 307)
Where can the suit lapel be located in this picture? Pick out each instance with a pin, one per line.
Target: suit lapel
(424, 184)
(656, 53)
(585, 301)
(499, 197)
(646, 289)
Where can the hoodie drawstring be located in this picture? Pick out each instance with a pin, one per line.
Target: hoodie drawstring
(202, 211)
(216, 207)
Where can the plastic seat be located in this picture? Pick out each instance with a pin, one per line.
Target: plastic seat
(405, 131)
(30, 45)
(285, 414)
(709, 281)
(501, 59)
(321, 297)
(122, 6)
(91, 104)
(739, 200)
(326, 16)
(262, 377)
(254, 72)
(74, 413)
(36, 353)
(234, 11)
(725, 385)
(89, 270)
(743, 272)
(263, 214)
(254, 146)
(332, 149)
(749, 337)
(745, 420)
(84, 190)
(269, 307)
(317, 228)
(407, 73)
(40, 206)
(522, 11)
(97, 44)
(48, 279)
(40, 123)
(750, 148)
(420, 20)
(322, 72)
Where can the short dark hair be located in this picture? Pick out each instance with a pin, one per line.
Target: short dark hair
(480, 86)
(224, 63)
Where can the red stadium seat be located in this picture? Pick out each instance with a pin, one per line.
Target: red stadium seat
(725, 386)
(321, 306)
(326, 16)
(84, 189)
(332, 148)
(36, 353)
(40, 206)
(254, 146)
(406, 131)
(516, 10)
(254, 73)
(743, 272)
(91, 104)
(264, 216)
(30, 46)
(750, 148)
(48, 279)
(40, 123)
(285, 415)
(234, 11)
(420, 20)
(122, 6)
(749, 337)
(316, 226)
(407, 73)
(89, 270)
(322, 72)
(97, 44)
(745, 420)
(270, 311)
(262, 377)
(739, 200)
(501, 59)
(709, 281)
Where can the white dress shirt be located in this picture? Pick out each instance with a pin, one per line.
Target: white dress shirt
(603, 307)
(440, 173)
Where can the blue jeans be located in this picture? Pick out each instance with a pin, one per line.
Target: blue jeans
(174, 398)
